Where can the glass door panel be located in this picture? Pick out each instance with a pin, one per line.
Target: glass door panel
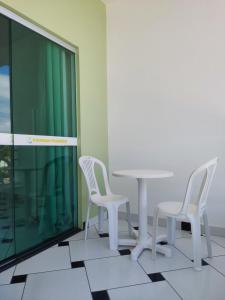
(5, 124)
(46, 193)
(7, 242)
(38, 146)
(43, 84)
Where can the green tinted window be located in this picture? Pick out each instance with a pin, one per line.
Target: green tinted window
(45, 193)
(43, 85)
(5, 124)
(7, 245)
(38, 184)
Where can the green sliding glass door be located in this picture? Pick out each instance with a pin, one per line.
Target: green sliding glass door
(38, 166)
(45, 193)
(7, 241)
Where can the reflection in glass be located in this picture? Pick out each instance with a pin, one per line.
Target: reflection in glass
(43, 84)
(5, 126)
(38, 185)
(6, 206)
(45, 193)
(7, 247)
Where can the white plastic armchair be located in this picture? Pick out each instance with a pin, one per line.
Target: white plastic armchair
(189, 211)
(109, 201)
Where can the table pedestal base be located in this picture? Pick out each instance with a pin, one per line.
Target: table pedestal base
(147, 244)
(140, 246)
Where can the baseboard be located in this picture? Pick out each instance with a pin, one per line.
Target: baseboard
(134, 218)
(214, 230)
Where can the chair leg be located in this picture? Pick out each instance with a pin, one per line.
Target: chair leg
(113, 227)
(100, 219)
(171, 230)
(129, 219)
(196, 238)
(154, 234)
(207, 233)
(87, 221)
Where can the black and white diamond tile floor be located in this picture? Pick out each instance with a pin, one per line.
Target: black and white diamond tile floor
(85, 270)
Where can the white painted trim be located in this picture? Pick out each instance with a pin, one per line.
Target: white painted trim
(6, 12)
(6, 139)
(43, 140)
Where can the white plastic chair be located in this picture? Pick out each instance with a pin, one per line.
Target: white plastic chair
(109, 201)
(189, 211)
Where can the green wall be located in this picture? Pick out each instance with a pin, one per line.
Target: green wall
(82, 23)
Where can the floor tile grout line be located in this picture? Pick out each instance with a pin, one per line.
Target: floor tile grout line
(213, 242)
(98, 238)
(43, 272)
(58, 270)
(144, 283)
(173, 288)
(181, 252)
(24, 289)
(89, 259)
(92, 238)
(185, 269)
(5, 284)
(70, 255)
(117, 256)
(218, 244)
(164, 271)
(143, 269)
(174, 270)
(87, 278)
(14, 272)
(118, 250)
(95, 238)
(122, 231)
(193, 258)
(104, 257)
(217, 270)
(127, 286)
(55, 270)
(215, 256)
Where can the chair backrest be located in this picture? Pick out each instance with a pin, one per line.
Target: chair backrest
(87, 164)
(207, 170)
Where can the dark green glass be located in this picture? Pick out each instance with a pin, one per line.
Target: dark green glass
(43, 93)
(7, 241)
(5, 124)
(7, 245)
(38, 184)
(43, 85)
(45, 193)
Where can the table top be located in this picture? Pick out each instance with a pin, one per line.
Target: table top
(143, 173)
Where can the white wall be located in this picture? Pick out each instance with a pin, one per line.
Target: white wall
(166, 91)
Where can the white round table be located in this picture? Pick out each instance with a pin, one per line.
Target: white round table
(144, 241)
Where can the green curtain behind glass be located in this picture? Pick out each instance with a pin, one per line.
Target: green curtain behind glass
(60, 89)
(43, 85)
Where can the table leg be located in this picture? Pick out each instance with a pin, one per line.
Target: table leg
(143, 210)
(143, 222)
(144, 241)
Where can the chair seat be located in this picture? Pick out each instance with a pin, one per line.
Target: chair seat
(107, 199)
(173, 208)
